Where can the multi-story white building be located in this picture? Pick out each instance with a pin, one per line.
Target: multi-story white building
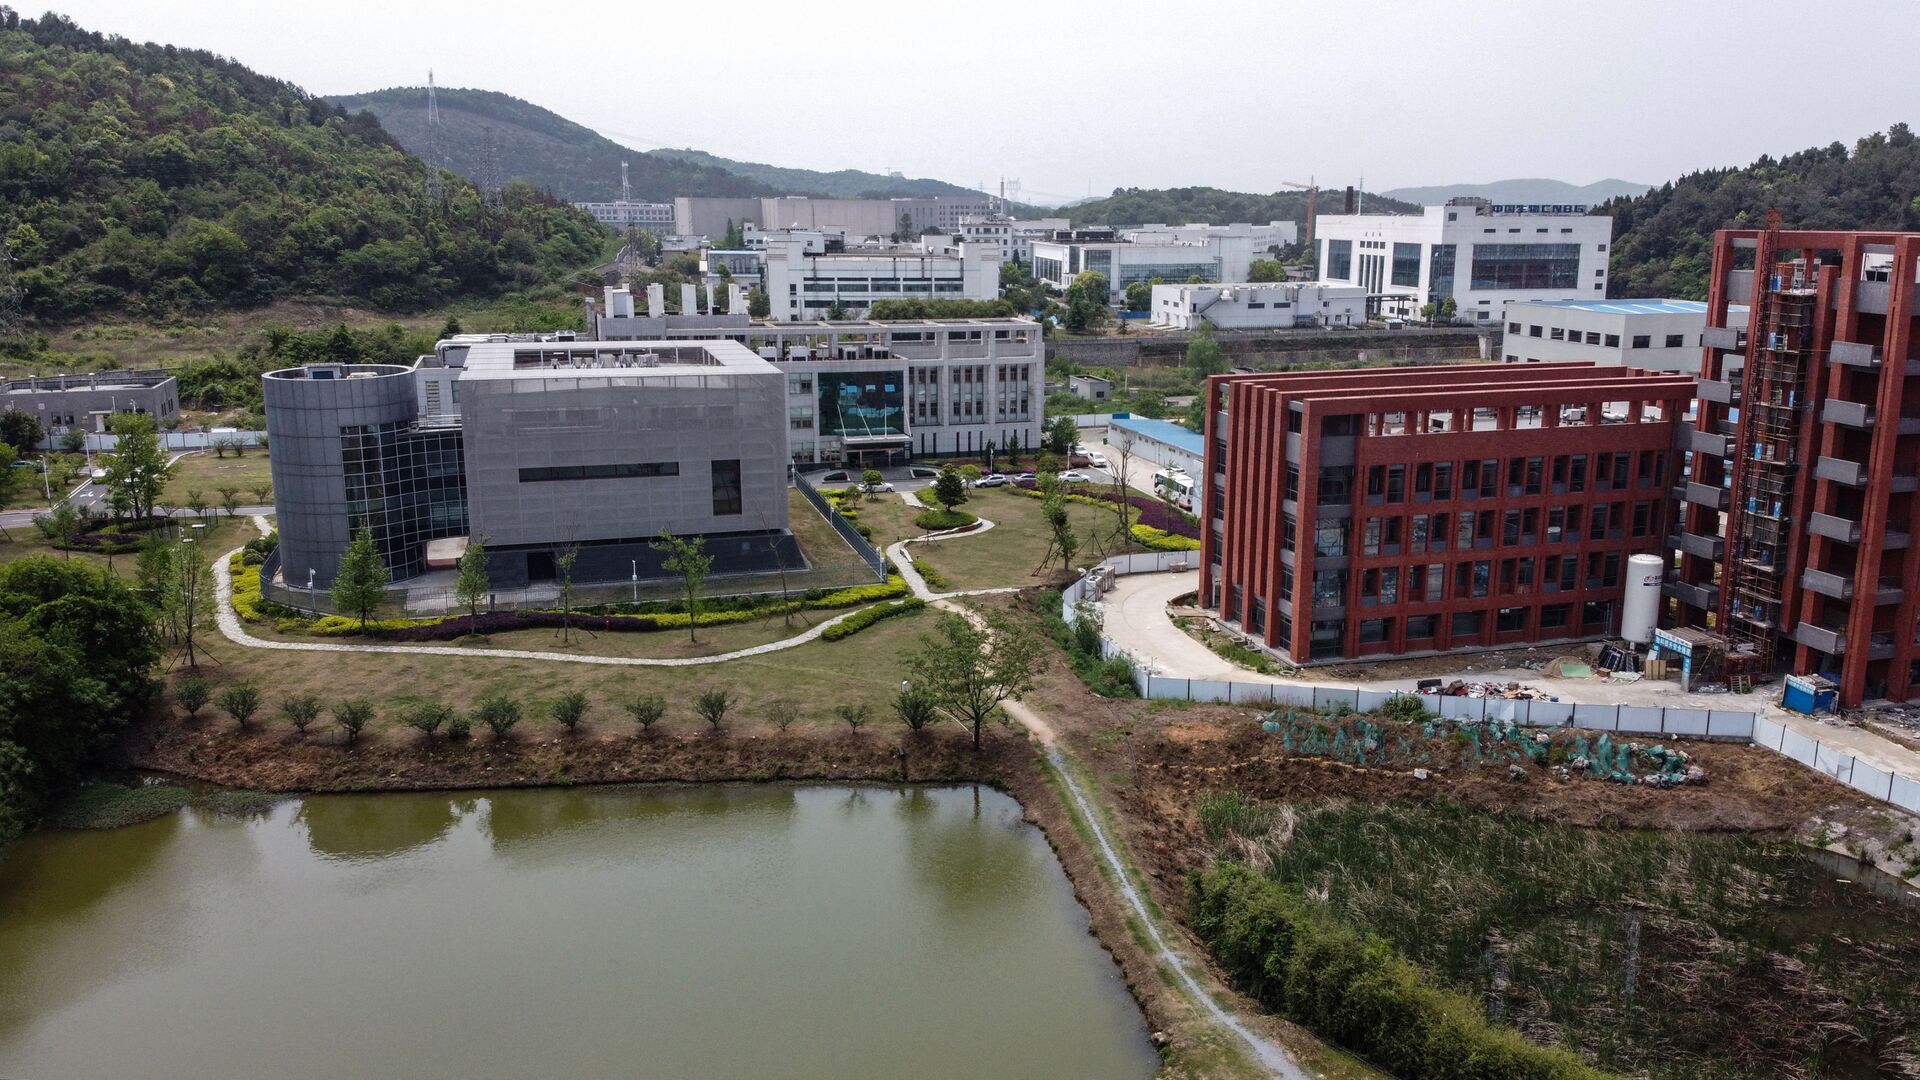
(1058, 260)
(651, 216)
(1266, 305)
(1479, 254)
(874, 392)
(1265, 239)
(802, 284)
(1658, 335)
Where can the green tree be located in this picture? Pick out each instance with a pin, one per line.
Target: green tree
(1061, 540)
(73, 440)
(563, 572)
(949, 490)
(646, 710)
(969, 671)
(240, 701)
(870, 481)
(20, 429)
(1087, 296)
(837, 310)
(1204, 357)
(1151, 404)
(853, 714)
(192, 694)
(470, 582)
(733, 239)
(1062, 433)
(758, 306)
(229, 499)
(712, 706)
(499, 711)
(1266, 270)
(1139, 296)
(426, 716)
(360, 583)
(915, 708)
(353, 715)
(687, 556)
(450, 328)
(300, 710)
(139, 471)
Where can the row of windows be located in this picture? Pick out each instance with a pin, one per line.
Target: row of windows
(626, 471)
(1427, 583)
(1517, 527)
(1611, 341)
(1565, 473)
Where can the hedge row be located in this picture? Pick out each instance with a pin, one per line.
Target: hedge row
(939, 518)
(1357, 991)
(1158, 540)
(866, 617)
(935, 579)
(1147, 510)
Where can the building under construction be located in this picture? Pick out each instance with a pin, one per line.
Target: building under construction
(1800, 499)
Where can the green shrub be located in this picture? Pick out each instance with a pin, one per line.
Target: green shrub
(935, 579)
(498, 710)
(647, 710)
(192, 694)
(1107, 677)
(712, 705)
(864, 618)
(568, 710)
(1356, 991)
(1157, 540)
(1405, 709)
(941, 518)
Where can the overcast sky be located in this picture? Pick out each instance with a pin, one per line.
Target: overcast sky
(1069, 98)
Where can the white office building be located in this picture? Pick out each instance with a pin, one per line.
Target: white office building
(1657, 335)
(1266, 305)
(653, 217)
(861, 391)
(1057, 261)
(1265, 239)
(803, 284)
(1481, 255)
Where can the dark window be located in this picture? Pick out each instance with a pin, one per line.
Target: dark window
(602, 472)
(1419, 627)
(1374, 631)
(1510, 619)
(1613, 341)
(1340, 260)
(1643, 341)
(1406, 264)
(726, 487)
(1554, 616)
(1443, 480)
(1534, 331)
(1440, 273)
(1676, 341)
(1526, 266)
(1466, 624)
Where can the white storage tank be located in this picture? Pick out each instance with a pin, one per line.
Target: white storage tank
(1640, 612)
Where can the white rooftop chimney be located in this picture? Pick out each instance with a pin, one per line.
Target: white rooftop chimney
(736, 299)
(711, 308)
(689, 302)
(656, 301)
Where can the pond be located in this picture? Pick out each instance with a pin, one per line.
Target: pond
(714, 931)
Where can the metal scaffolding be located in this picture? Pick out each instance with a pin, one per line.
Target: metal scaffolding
(1775, 409)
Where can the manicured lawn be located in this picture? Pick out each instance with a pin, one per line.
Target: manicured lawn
(207, 474)
(223, 535)
(866, 667)
(1007, 554)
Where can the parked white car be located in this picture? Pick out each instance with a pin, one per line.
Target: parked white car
(1075, 476)
(991, 480)
(1096, 459)
(873, 488)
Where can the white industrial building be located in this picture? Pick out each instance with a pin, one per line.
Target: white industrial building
(1265, 239)
(1221, 257)
(651, 216)
(858, 218)
(1657, 335)
(1265, 305)
(803, 284)
(1480, 254)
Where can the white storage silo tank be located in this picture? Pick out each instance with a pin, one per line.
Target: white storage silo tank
(1640, 612)
(656, 301)
(620, 303)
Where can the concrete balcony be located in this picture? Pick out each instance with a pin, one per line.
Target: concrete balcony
(1853, 414)
(1719, 391)
(1827, 641)
(1707, 495)
(1834, 528)
(1827, 584)
(1854, 355)
(1724, 339)
(1841, 471)
(1706, 547)
(1706, 443)
(1704, 597)
(1740, 286)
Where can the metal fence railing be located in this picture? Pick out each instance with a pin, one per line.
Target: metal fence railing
(861, 547)
(1696, 723)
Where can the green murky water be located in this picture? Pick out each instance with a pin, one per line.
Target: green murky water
(706, 932)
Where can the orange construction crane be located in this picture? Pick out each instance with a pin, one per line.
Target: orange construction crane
(1312, 189)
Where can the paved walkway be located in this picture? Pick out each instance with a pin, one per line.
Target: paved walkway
(1136, 619)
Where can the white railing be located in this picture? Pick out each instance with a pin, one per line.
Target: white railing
(1694, 723)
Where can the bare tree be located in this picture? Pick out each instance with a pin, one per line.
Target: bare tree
(1123, 454)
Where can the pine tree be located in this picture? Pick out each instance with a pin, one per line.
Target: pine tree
(470, 584)
(361, 582)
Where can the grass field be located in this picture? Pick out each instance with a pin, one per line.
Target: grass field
(208, 474)
(1007, 554)
(223, 534)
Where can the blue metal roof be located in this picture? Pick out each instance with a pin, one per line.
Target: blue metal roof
(1634, 307)
(1165, 431)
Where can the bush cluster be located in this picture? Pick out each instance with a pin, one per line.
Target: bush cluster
(1356, 991)
(1159, 540)
(934, 578)
(866, 617)
(940, 518)
(1080, 640)
(1148, 511)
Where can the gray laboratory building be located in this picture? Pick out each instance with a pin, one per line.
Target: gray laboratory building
(535, 448)
(87, 402)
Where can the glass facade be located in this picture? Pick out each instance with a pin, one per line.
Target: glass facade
(863, 403)
(1339, 260)
(726, 487)
(1048, 269)
(1406, 265)
(1170, 273)
(1526, 266)
(1440, 273)
(405, 485)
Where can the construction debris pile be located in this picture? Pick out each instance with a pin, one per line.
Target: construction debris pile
(1435, 744)
(1511, 691)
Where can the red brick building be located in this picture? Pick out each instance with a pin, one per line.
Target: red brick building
(1797, 537)
(1386, 511)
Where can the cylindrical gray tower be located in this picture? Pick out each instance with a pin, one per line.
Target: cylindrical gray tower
(324, 423)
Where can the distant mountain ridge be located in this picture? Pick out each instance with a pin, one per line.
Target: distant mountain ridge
(1538, 190)
(575, 162)
(1128, 207)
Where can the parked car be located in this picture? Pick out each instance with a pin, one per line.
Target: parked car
(991, 480)
(1075, 476)
(1025, 478)
(876, 487)
(1096, 459)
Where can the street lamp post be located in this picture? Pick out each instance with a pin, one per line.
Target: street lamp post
(636, 581)
(311, 606)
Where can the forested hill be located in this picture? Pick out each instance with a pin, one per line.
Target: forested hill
(146, 179)
(539, 146)
(1663, 240)
(1128, 207)
(839, 184)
